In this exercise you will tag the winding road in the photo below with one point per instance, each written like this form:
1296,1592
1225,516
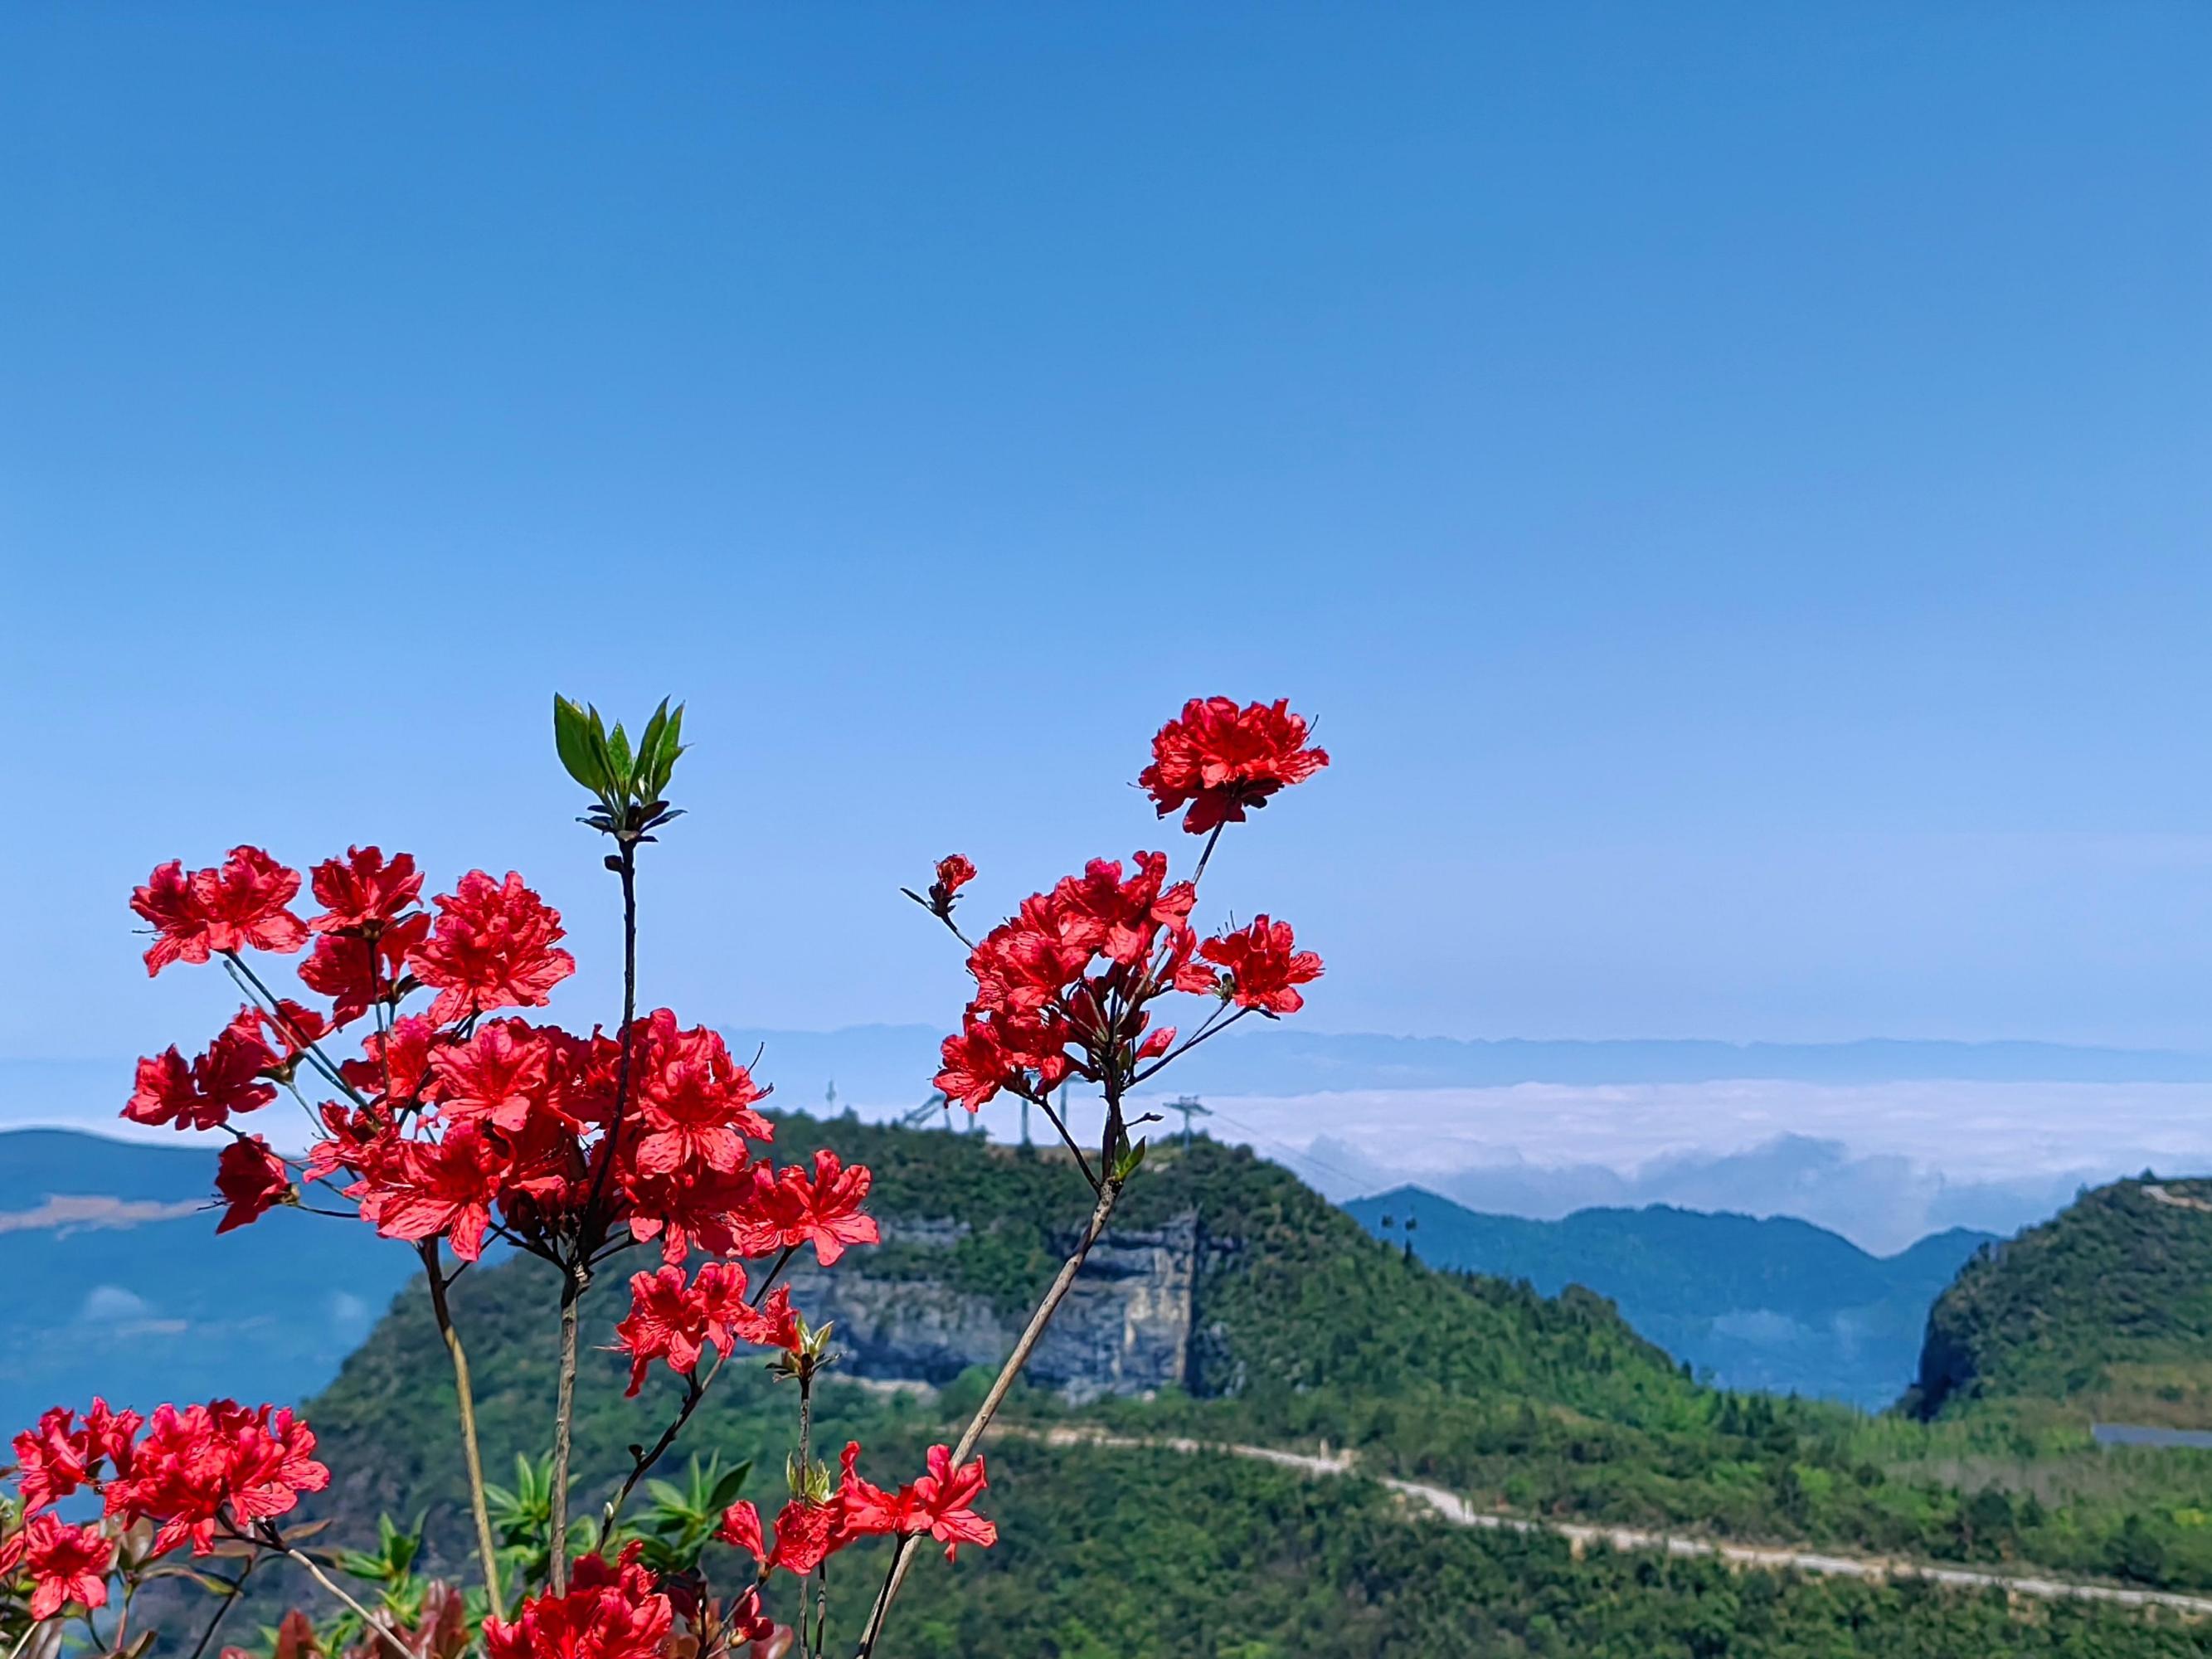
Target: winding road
1772,1558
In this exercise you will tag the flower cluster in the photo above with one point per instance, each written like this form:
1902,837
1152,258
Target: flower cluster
460,1118
810,1529
677,1321
190,1472
1063,985
612,1610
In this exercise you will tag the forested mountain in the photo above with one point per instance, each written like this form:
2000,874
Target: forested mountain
2104,1312
1749,1302
1296,1328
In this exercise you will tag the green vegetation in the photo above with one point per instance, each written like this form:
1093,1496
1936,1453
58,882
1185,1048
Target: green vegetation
2104,1312
1312,1331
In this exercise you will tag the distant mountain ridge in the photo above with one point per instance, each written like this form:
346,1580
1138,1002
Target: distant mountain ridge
1773,1304
882,1064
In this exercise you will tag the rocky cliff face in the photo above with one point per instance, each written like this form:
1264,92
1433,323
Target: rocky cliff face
1125,1327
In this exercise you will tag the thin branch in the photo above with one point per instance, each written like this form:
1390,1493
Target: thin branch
902,1555
591,1228
694,1390
573,1285
313,1051
951,927
366,1617
230,1599
1081,1162
1206,856
1209,1029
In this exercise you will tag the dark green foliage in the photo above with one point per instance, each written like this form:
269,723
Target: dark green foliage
2107,1306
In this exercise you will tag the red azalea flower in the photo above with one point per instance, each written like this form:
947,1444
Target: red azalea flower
696,1207
356,972
363,889
741,1528
291,1029
974,1065
864,1508
231,1075
747,1622
823,1210
417,1190
696,1102
1261,969
252,1181
610,1612
499,1076
244,900
395,1065
216,1461
805,1536
672,1320
65,1564
954,871
492,948
52,1460
774,1324
165,1094
1222,759
168,901
354,1133
941,1503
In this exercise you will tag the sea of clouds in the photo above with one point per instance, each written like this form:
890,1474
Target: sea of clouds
1882,1162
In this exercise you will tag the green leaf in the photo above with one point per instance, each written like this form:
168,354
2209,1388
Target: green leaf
598,734
728,1488
648,745
666,752
618,751
572,739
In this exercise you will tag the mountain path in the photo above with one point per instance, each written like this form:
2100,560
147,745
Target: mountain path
1772,1557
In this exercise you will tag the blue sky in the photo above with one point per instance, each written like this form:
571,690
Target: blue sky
1730,484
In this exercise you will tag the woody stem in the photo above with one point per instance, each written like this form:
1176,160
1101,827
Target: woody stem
1109,1193
574,1283
487,1550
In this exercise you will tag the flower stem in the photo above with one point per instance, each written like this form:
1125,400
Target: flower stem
591,1230
487,1550
573,1287
1109,1193
366,1617
229,1601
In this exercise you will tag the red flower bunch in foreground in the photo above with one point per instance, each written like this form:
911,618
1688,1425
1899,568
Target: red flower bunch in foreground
671,1320
612,1610
808,1531
449,1116
456,1122
192,1472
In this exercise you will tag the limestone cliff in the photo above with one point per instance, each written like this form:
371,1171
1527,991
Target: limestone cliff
1125,1327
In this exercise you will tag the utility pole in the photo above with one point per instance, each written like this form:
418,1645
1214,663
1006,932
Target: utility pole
1190,1107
